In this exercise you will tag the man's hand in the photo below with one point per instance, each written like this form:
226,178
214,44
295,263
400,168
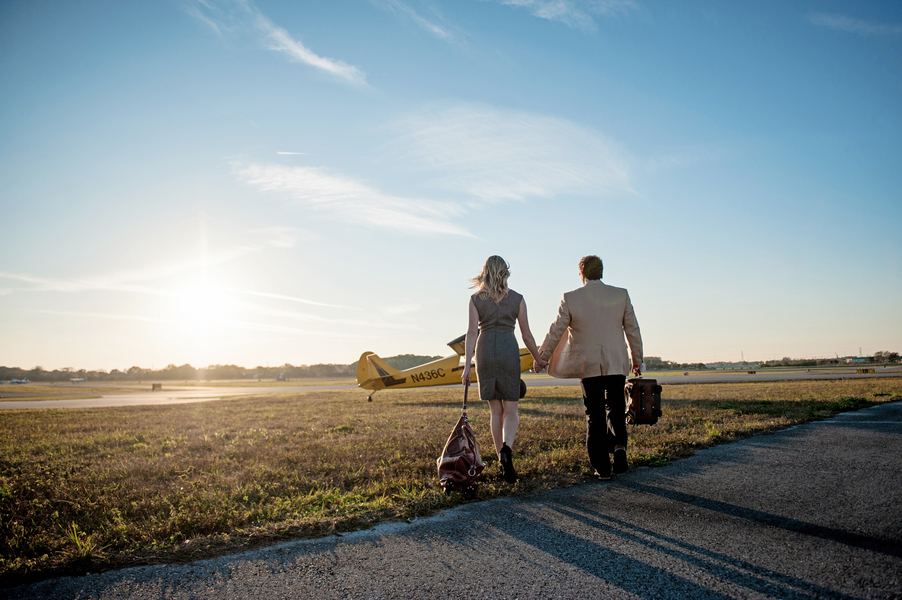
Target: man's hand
636,371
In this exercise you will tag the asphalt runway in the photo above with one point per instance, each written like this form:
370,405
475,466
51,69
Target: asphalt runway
173,395
176,395
807,512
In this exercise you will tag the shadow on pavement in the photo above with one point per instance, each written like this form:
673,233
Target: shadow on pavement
621,570
836,535
725,567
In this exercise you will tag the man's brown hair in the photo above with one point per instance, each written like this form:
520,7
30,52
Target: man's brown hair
591,267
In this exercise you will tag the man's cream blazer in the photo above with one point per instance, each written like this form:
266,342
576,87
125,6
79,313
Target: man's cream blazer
587,339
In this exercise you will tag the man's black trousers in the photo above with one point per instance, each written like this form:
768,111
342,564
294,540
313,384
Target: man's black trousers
605,417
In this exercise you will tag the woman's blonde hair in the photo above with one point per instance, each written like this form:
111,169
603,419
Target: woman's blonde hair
492,282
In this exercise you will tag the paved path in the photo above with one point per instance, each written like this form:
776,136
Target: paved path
809,512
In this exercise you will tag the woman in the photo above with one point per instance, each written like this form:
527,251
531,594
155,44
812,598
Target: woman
494,309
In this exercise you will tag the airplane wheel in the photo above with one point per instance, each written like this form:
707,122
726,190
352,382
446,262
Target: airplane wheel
522,389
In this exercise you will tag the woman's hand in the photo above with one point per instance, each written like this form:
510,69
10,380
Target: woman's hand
465,376
539,364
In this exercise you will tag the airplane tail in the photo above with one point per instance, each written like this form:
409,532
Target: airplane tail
370,366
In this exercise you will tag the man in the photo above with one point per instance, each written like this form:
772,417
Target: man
595,318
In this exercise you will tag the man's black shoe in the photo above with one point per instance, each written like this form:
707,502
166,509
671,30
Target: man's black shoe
620,465
604,471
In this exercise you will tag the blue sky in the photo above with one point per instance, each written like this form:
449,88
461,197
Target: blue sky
218,182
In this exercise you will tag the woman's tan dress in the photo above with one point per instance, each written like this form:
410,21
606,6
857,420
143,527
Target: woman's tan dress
497,353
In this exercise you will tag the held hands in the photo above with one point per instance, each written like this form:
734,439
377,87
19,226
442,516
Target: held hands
539,364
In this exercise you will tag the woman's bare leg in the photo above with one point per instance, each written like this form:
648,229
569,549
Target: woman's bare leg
496,423
511,421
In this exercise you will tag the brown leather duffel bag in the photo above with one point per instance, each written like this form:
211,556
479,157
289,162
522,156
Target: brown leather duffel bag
460,464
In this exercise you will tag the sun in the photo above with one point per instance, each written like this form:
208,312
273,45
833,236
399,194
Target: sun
203,306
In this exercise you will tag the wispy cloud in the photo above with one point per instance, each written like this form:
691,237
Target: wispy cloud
475,153
236,313
109,283
202,304
145,280
278,237
579,14
232,323
268,327
130,280
279,40
289,299
208,14
338,197
282,315
243,15
857,26
396,6
107,316
403,309
510,155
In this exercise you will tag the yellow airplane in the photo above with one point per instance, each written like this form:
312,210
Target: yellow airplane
375,374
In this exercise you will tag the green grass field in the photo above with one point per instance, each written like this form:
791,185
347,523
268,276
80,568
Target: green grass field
91,489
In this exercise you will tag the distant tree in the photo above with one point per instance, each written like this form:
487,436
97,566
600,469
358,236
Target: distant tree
654,363
223,372
884,357
408,361
185,372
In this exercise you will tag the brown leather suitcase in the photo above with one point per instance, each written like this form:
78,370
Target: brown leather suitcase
643,401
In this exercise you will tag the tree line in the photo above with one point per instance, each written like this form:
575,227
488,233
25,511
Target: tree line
655,363
878,358
187,372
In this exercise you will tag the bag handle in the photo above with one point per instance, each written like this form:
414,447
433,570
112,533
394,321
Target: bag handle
466,389
472,471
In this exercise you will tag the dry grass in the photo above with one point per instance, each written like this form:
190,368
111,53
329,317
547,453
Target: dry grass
100,488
